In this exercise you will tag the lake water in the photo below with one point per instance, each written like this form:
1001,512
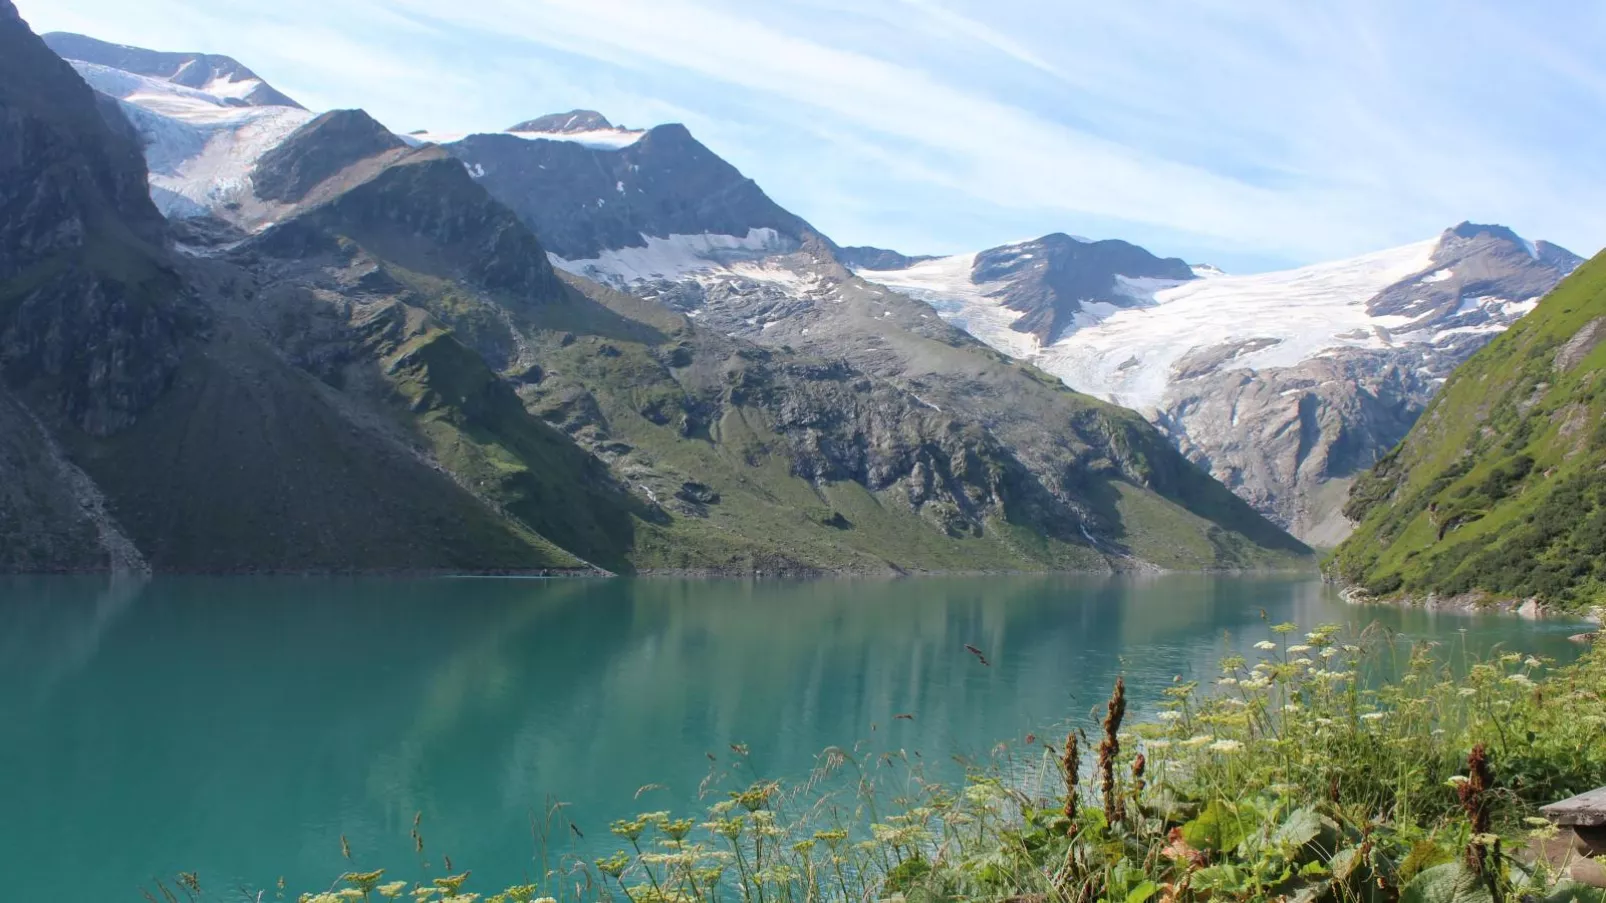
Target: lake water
239,727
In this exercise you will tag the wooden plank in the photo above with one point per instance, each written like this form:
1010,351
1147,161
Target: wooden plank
1583,810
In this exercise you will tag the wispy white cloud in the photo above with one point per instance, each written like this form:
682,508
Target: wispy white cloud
1252,131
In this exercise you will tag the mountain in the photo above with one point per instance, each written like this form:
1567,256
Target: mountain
218,76
867,258
664,218
1283,385
200,147
147,424
1499,491
661,428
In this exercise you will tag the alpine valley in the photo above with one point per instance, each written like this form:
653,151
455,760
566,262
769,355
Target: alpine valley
282,341
238,335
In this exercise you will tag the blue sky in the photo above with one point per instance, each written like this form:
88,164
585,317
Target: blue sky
1247,134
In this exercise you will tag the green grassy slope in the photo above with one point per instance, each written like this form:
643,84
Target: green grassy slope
247,465
1501,487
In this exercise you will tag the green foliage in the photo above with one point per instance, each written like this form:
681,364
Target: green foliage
1500,491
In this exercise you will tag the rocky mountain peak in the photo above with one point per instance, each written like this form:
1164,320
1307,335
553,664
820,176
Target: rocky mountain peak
565,123
222,76
1473,262
318,150
584,200
1051,279
862,257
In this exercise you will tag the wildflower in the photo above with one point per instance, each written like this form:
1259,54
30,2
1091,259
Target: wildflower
1531,662
1198,741
1070,768
1266,645
630,829
676,829
1157,745
1521,680
1228,682
755,797
614,865
1456,780
392,890
1303,662
451,884
1170,715
1298,649
831,838
1285,627
1226,746
1468,691
1110,747
1351,649
1373,716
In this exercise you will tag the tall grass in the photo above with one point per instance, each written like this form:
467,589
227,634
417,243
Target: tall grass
1331,767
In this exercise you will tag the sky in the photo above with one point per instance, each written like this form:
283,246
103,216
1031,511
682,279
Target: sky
1250,134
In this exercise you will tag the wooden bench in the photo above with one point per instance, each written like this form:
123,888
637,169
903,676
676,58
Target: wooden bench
1582,821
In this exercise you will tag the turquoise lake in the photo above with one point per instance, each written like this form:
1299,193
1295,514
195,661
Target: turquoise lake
240,727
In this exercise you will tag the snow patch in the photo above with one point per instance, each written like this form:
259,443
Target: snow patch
675,256
1437,276
945,284
1127,354
199,147
598,139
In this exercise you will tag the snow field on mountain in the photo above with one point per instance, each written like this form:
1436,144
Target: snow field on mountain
677,256
600,139
1126,355
200,148
945,284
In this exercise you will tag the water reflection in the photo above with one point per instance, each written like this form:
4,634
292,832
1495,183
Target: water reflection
240,727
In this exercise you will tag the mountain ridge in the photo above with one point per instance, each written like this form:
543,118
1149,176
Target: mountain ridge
422,320
211,73
1497,491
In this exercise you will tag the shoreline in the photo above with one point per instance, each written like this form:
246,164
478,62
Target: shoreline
1484,603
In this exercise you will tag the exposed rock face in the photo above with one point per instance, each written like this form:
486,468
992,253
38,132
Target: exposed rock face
565,123
1283,385
1051,280
90,318
584,200
1290,439
753,405
318,150
1056,454
867,258
1474,262
207,72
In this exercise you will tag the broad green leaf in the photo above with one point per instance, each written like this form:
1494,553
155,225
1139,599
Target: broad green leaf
1142,892
1451,882
1221,826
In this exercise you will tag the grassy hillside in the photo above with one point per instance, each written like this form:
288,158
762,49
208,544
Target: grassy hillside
1500,488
